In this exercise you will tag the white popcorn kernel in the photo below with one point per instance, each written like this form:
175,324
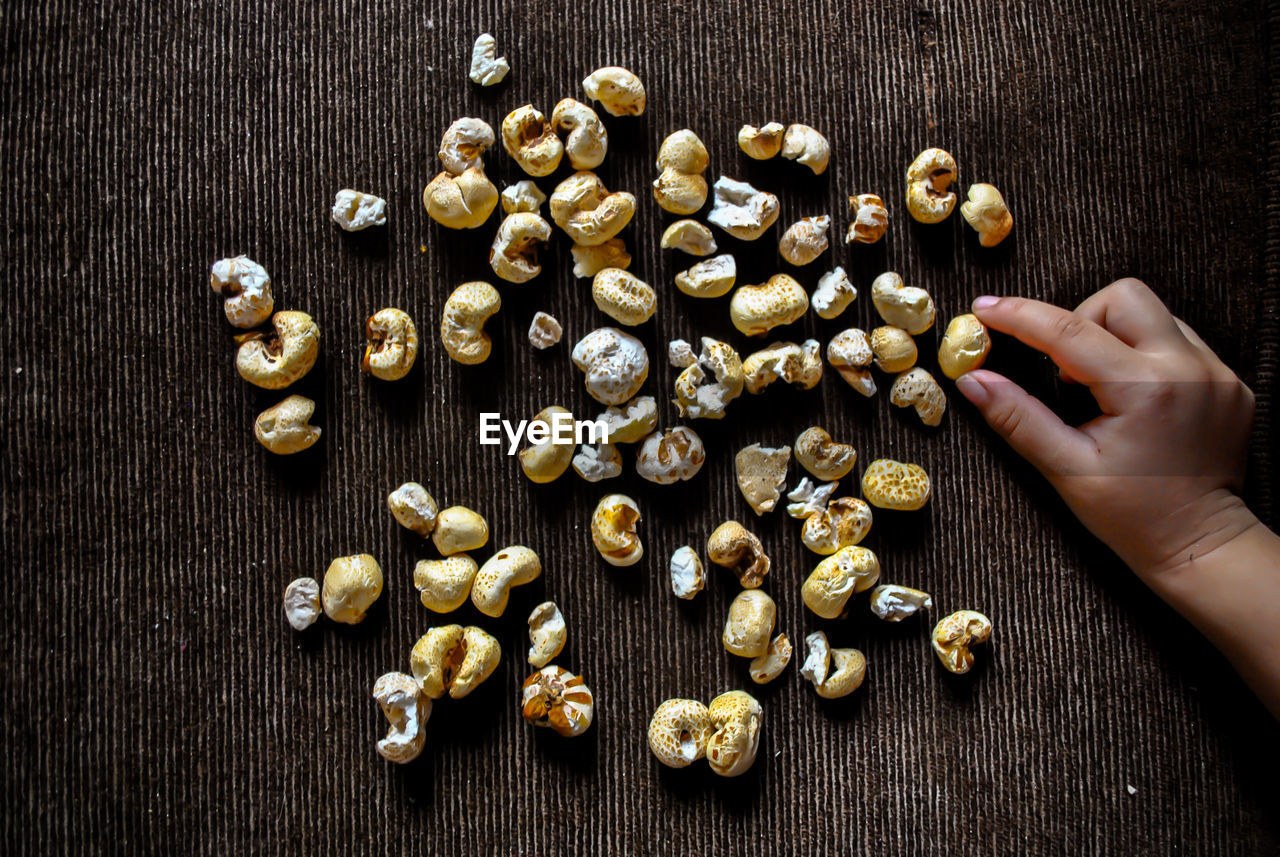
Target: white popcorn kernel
487,68
544,331
354,211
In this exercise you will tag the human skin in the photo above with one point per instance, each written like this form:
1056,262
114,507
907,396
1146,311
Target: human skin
1157,476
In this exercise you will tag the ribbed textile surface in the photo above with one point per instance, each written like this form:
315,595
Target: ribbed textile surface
155,701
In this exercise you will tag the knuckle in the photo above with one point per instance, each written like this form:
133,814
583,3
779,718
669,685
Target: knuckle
1163,395
1066,327
1005,418
1130,287
1248,401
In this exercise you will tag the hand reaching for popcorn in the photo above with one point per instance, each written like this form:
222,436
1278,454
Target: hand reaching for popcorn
1157,475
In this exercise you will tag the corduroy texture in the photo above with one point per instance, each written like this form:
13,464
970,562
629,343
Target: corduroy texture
155,701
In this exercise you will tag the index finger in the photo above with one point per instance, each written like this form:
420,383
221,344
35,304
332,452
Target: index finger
1080,347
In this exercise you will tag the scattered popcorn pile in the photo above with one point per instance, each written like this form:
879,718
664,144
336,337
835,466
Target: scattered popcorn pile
615,364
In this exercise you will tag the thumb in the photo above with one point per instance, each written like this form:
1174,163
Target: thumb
1035,432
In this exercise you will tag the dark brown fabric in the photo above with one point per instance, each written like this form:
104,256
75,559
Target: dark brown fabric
154,698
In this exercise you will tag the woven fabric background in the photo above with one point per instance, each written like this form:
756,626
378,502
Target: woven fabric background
155,701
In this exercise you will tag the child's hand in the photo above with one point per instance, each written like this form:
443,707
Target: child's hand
1156,476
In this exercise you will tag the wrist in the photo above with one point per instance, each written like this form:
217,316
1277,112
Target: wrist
1185,539
1231,593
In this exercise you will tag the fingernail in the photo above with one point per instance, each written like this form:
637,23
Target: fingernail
985,302
971,388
